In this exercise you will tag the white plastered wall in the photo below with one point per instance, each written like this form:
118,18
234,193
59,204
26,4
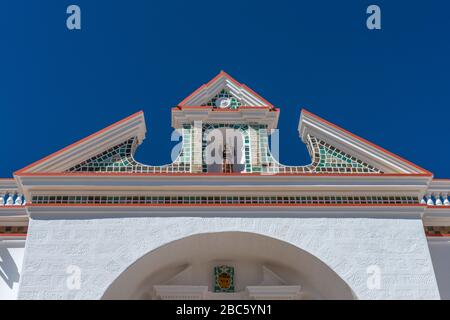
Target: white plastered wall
104,247
440,254
11,256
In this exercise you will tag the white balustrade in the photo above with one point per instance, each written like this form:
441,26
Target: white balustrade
11,199
436,199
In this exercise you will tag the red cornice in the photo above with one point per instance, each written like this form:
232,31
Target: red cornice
428,234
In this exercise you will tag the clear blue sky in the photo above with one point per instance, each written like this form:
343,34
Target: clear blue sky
391,87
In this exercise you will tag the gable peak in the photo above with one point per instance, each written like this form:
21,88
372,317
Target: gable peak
224,92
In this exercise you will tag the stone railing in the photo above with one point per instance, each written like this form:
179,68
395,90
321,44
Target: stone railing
9,194
438,193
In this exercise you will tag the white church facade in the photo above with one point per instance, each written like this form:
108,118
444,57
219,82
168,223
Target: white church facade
91,222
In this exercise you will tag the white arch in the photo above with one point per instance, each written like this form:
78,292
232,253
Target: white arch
248,251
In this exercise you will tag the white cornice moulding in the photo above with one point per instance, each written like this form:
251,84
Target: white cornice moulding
440,185
436,216
228,185
239,116
8,185
13,216
438,240
12,240
76,212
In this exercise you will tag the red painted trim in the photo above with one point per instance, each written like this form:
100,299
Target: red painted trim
218,109
437,179
119,174
13,234
217,205
437,235
439,207
19,172
366,141
226,75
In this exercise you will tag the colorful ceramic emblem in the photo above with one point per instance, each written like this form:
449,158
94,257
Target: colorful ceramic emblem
223,279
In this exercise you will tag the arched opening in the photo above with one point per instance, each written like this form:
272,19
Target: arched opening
223,150
228,265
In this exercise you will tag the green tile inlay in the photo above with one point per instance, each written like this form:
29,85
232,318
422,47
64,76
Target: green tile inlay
224,94
256,152
120,158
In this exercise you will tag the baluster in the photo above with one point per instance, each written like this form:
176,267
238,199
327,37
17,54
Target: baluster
18,201
437,197
10,200
445,196
423,200
430,200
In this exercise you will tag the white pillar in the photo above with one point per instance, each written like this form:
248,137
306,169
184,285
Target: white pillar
2,199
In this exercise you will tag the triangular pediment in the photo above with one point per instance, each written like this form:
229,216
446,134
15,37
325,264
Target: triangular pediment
108,146
224,92
342,146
